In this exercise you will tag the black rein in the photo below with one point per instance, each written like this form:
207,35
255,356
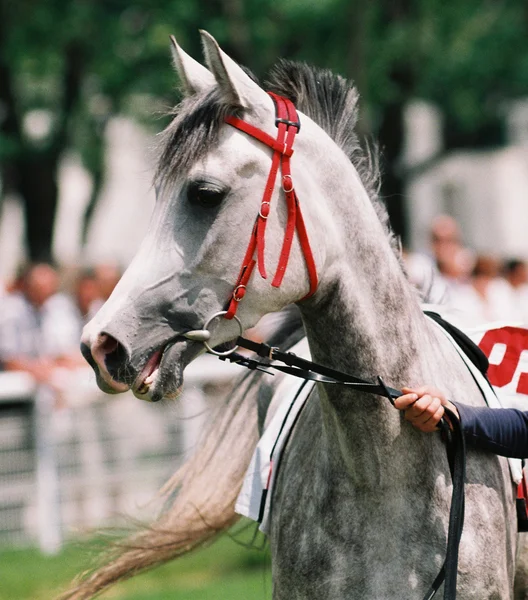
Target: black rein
450,428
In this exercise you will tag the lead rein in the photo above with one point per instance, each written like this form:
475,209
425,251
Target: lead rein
450,428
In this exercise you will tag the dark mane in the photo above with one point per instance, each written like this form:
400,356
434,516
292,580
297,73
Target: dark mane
328,99
332,102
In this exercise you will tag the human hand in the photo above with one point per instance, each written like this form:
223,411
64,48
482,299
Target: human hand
424,407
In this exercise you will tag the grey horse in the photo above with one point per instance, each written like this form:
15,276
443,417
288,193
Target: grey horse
361,502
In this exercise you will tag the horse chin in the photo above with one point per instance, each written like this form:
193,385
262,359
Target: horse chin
155,395
166,380
105,387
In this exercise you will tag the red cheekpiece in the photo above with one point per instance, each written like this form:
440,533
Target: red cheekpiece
288,125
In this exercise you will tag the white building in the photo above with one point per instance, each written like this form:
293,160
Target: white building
486,191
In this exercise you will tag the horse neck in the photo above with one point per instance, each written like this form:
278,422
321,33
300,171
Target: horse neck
366,321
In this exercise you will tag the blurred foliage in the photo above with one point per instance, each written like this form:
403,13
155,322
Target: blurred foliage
80,61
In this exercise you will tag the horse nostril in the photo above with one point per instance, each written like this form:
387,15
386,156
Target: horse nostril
107,344
108,353
110,360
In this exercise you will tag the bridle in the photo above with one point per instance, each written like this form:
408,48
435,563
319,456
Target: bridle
288,125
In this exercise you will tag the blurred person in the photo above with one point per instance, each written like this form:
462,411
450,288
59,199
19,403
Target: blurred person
456,265
107,276
38,326
445,263
486,297
424,275
15,284
445,239
88,296
453,259
515,272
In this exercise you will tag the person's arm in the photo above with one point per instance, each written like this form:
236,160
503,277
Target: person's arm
502,431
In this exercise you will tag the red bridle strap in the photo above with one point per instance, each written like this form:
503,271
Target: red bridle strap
288,125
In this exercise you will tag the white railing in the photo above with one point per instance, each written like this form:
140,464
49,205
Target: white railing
80,465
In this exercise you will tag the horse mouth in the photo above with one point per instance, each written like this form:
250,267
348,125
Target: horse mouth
162,375
148,375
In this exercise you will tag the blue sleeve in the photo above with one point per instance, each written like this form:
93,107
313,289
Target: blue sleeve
503,431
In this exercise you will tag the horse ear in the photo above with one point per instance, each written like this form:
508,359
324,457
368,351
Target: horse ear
232,79
193,76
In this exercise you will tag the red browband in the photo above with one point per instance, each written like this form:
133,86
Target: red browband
288,125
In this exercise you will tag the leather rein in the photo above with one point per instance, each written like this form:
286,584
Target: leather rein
288,125
450,429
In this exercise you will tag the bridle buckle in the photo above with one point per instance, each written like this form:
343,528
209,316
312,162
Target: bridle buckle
288,123
242,289
286,178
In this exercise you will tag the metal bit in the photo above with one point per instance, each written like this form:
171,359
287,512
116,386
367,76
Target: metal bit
198,335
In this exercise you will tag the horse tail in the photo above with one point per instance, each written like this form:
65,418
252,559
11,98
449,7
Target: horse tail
200,497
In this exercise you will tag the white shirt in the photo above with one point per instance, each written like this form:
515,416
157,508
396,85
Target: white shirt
25,331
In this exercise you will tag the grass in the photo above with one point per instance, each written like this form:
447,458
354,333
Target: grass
225,571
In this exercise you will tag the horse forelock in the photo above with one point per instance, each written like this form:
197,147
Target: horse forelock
192,133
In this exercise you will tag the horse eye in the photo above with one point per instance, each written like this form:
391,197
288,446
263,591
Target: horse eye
205,193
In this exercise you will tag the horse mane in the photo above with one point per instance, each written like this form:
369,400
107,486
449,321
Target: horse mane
331,101
191,134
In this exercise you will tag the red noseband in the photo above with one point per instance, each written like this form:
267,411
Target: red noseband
288,125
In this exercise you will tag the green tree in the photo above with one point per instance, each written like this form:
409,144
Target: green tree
73,64
38,72
80,62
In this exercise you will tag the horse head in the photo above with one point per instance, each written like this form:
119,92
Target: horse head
210,183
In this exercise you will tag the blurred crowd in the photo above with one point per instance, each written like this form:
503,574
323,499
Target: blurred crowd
476,288
41,320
